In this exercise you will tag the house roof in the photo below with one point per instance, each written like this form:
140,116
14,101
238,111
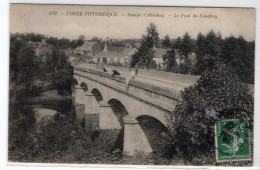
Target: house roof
115,49
128,51
89,44
41,48
128,44
137,45
109,54
79,48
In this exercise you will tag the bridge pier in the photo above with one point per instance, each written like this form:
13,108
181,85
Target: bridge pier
91,112
78,94
134,137
107,117
86,109
79,103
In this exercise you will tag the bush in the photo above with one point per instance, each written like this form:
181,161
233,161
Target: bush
59,141
222,94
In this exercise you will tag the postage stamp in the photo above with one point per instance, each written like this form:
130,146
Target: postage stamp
232,140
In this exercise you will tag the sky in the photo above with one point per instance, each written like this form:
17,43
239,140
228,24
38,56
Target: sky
130,22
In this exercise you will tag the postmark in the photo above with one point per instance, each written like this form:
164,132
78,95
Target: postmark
232,140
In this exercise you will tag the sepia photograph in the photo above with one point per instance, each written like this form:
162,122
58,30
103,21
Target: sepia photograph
131,85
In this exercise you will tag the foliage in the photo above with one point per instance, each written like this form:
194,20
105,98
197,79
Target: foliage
208,51
218,95
200,53
143,58
170,60
62,43
239,54
234,52
183,47
20,142
31,73
60,142
60,72
166,43
24,66
28,37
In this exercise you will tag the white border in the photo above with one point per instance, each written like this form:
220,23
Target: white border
4,63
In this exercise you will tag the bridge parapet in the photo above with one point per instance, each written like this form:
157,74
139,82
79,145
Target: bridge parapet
150,75
148,85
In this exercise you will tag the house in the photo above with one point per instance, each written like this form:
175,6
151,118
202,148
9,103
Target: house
160,52
112,55
128,52
191,58
109,57
116,55
88,49
137,45
42,49
158,56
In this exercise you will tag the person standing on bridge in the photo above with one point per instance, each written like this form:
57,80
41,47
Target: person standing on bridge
132,74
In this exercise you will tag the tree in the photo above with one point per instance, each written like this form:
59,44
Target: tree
61,72
213,44
208,51
152,37
170,61
184,47
238,54
15,46
81,40
143,58
166,42
218,95
200,52
24,66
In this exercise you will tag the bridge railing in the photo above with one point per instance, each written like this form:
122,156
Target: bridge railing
153,76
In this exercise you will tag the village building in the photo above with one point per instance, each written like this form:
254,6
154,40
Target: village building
137,45
42,49
191,58
158,56
128,52
160,52
88,49
115,55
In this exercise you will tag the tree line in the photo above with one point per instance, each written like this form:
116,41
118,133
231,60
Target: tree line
31,73
210,49
62,43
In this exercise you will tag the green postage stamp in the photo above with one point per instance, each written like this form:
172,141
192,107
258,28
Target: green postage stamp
232,140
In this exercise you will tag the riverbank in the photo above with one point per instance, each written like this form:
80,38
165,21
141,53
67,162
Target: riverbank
47,96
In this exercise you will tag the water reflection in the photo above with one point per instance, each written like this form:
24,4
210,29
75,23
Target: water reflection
41,114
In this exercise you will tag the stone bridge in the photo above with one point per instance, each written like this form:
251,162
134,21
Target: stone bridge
136,105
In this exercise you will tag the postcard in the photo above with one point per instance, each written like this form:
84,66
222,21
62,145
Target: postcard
131,85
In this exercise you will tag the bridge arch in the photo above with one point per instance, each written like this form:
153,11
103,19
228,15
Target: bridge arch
119,111
84,86
154,131
97,94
